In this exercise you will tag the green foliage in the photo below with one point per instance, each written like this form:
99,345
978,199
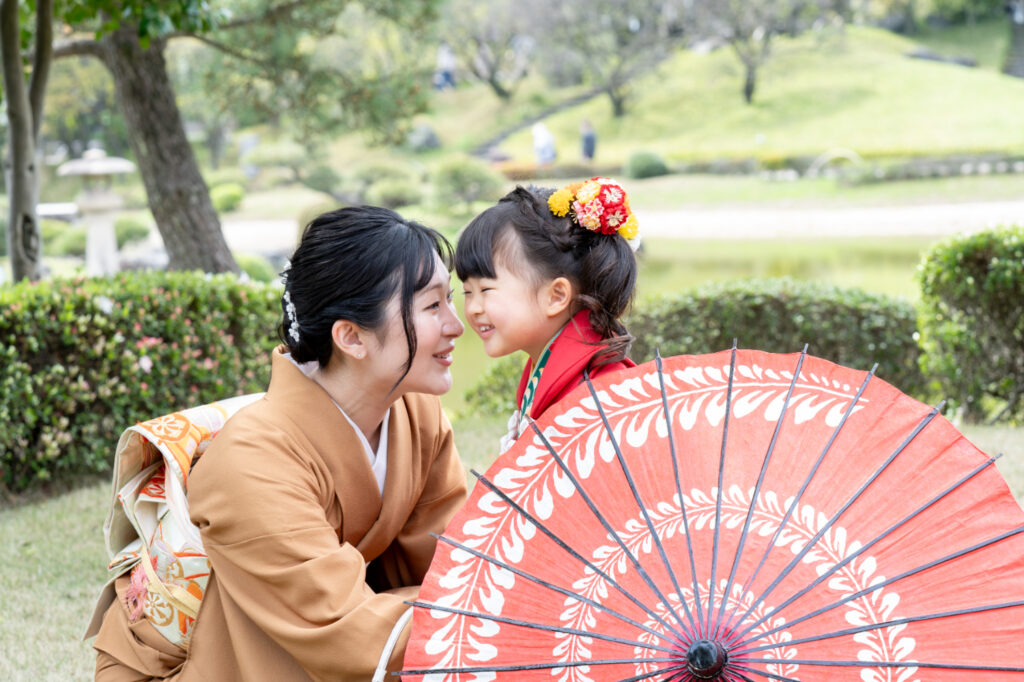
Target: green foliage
972,320
82,359
285,153
227,197
323,179
371,173
464,179
130,231
394,193
645,165
256,266
50,231
847,326
70,242
221,176
494,395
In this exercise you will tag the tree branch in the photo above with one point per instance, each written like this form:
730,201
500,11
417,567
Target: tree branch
234,52
80,47
271,13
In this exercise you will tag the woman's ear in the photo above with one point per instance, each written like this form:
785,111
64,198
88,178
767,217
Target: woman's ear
557,296
348,338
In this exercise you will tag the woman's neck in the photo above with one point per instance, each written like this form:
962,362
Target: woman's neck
365,406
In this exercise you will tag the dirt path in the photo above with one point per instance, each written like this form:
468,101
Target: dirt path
868,221
276,237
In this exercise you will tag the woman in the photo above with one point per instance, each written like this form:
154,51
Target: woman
316,504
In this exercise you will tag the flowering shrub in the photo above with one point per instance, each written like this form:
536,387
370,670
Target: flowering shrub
972,321
847,326
82,359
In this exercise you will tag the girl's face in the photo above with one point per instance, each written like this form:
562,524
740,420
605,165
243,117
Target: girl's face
508,314
437,326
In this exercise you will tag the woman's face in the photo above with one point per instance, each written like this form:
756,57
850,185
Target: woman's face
437,326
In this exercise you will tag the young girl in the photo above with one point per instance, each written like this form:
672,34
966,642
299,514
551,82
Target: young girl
550,273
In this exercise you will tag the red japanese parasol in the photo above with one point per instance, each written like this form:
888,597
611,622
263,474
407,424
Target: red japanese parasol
799,521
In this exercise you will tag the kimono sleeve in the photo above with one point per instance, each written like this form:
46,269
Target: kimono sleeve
276,558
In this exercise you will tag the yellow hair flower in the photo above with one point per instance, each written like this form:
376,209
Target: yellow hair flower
629,228
560,202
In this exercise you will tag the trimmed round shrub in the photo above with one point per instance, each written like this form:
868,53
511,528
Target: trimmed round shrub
372,173
256,266
846,326
323,179
49,231
461,179
223,176
972,321
495,392
645,165
394,193
71,242
82,359
227,197
130,231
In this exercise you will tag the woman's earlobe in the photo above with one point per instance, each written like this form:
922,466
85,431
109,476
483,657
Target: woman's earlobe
348,338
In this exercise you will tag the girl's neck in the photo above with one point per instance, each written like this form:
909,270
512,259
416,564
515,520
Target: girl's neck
536,353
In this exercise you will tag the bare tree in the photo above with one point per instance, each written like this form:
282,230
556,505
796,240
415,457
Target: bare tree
610,41
24,117
491,40
749,27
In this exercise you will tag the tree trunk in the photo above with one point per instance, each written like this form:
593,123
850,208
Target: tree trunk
1014,65
749,83
24,115
177,194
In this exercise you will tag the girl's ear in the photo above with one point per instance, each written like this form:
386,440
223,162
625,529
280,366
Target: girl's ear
348,337
557,296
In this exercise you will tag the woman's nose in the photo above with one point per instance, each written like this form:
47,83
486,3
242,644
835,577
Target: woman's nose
453,325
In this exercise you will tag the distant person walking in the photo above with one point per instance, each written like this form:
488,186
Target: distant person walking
444,76
588,140
543,144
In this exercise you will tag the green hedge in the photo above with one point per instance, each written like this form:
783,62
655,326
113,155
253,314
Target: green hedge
83,359
847,326
972,321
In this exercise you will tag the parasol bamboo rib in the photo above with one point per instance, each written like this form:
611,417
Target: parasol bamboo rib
883,583
679,485
576,555
832,521
636,497
771,676
893,664
889,623
853,555
799,495
534,666
718,493
537,626
603,521
554,588
757,491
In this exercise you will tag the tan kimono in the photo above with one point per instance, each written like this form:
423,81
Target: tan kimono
310,568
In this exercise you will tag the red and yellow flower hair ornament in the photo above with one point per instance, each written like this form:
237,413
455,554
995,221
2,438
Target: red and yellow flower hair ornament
599,205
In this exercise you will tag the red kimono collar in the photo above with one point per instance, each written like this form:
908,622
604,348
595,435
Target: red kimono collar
571,350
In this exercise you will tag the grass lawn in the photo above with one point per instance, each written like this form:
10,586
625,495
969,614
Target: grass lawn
852,90
53,558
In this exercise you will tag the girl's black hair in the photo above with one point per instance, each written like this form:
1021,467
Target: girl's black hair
522,234
348,265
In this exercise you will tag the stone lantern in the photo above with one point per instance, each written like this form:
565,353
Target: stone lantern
99,205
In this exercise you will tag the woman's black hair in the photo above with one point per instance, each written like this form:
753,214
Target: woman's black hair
348,265
522,234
